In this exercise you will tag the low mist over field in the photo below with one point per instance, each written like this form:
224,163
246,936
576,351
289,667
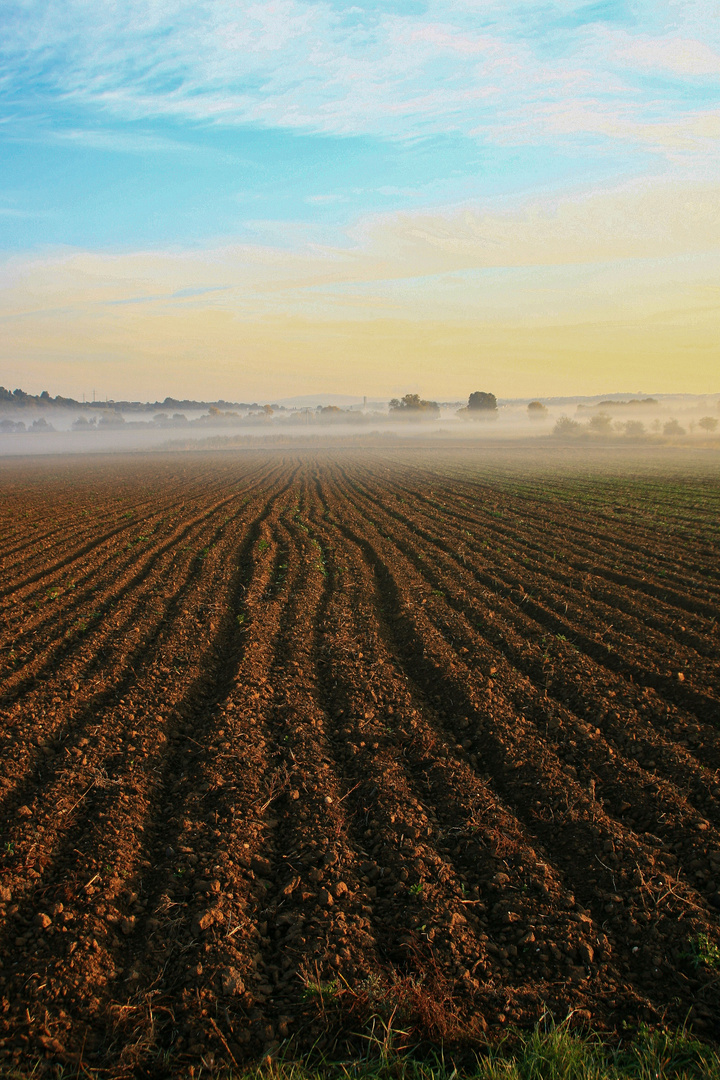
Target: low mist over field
42,424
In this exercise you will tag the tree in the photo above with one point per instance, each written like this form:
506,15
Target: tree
413,407
480,401
111,419
600,424
673,428
537,411
83,424
707,423
41,425
566,427
480,406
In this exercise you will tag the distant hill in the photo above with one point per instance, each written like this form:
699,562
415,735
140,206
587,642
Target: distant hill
19,399
310,401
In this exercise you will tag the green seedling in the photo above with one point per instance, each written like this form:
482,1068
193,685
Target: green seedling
320,991
704,951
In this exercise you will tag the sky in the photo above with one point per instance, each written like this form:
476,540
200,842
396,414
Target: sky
212,198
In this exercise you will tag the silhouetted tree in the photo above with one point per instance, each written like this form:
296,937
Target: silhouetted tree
480,406
413,407
41,426
482,402
537,411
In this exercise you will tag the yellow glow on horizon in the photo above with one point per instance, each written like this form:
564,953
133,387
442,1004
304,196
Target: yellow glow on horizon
210,354
613,290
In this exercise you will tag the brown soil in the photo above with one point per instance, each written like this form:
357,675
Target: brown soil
294,745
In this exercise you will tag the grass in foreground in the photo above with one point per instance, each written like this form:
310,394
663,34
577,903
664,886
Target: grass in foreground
550,1052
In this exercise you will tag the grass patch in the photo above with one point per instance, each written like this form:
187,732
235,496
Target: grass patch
549,1052
704,951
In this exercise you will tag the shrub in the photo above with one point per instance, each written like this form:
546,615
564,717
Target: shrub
565,427
600,424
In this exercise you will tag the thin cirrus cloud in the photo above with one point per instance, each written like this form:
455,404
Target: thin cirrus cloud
626,226
119,141
517,168
390,71
678,56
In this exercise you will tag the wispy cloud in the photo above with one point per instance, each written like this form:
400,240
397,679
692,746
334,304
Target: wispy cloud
127,142
673,55
475,67
14,212
618,226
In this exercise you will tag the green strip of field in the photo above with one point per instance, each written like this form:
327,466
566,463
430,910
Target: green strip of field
547,1053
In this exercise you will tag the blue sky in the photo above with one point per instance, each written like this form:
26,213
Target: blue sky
144,139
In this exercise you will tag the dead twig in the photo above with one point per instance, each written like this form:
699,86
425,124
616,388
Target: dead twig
79,800
223,1041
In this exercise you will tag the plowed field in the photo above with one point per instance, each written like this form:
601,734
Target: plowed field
295,745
